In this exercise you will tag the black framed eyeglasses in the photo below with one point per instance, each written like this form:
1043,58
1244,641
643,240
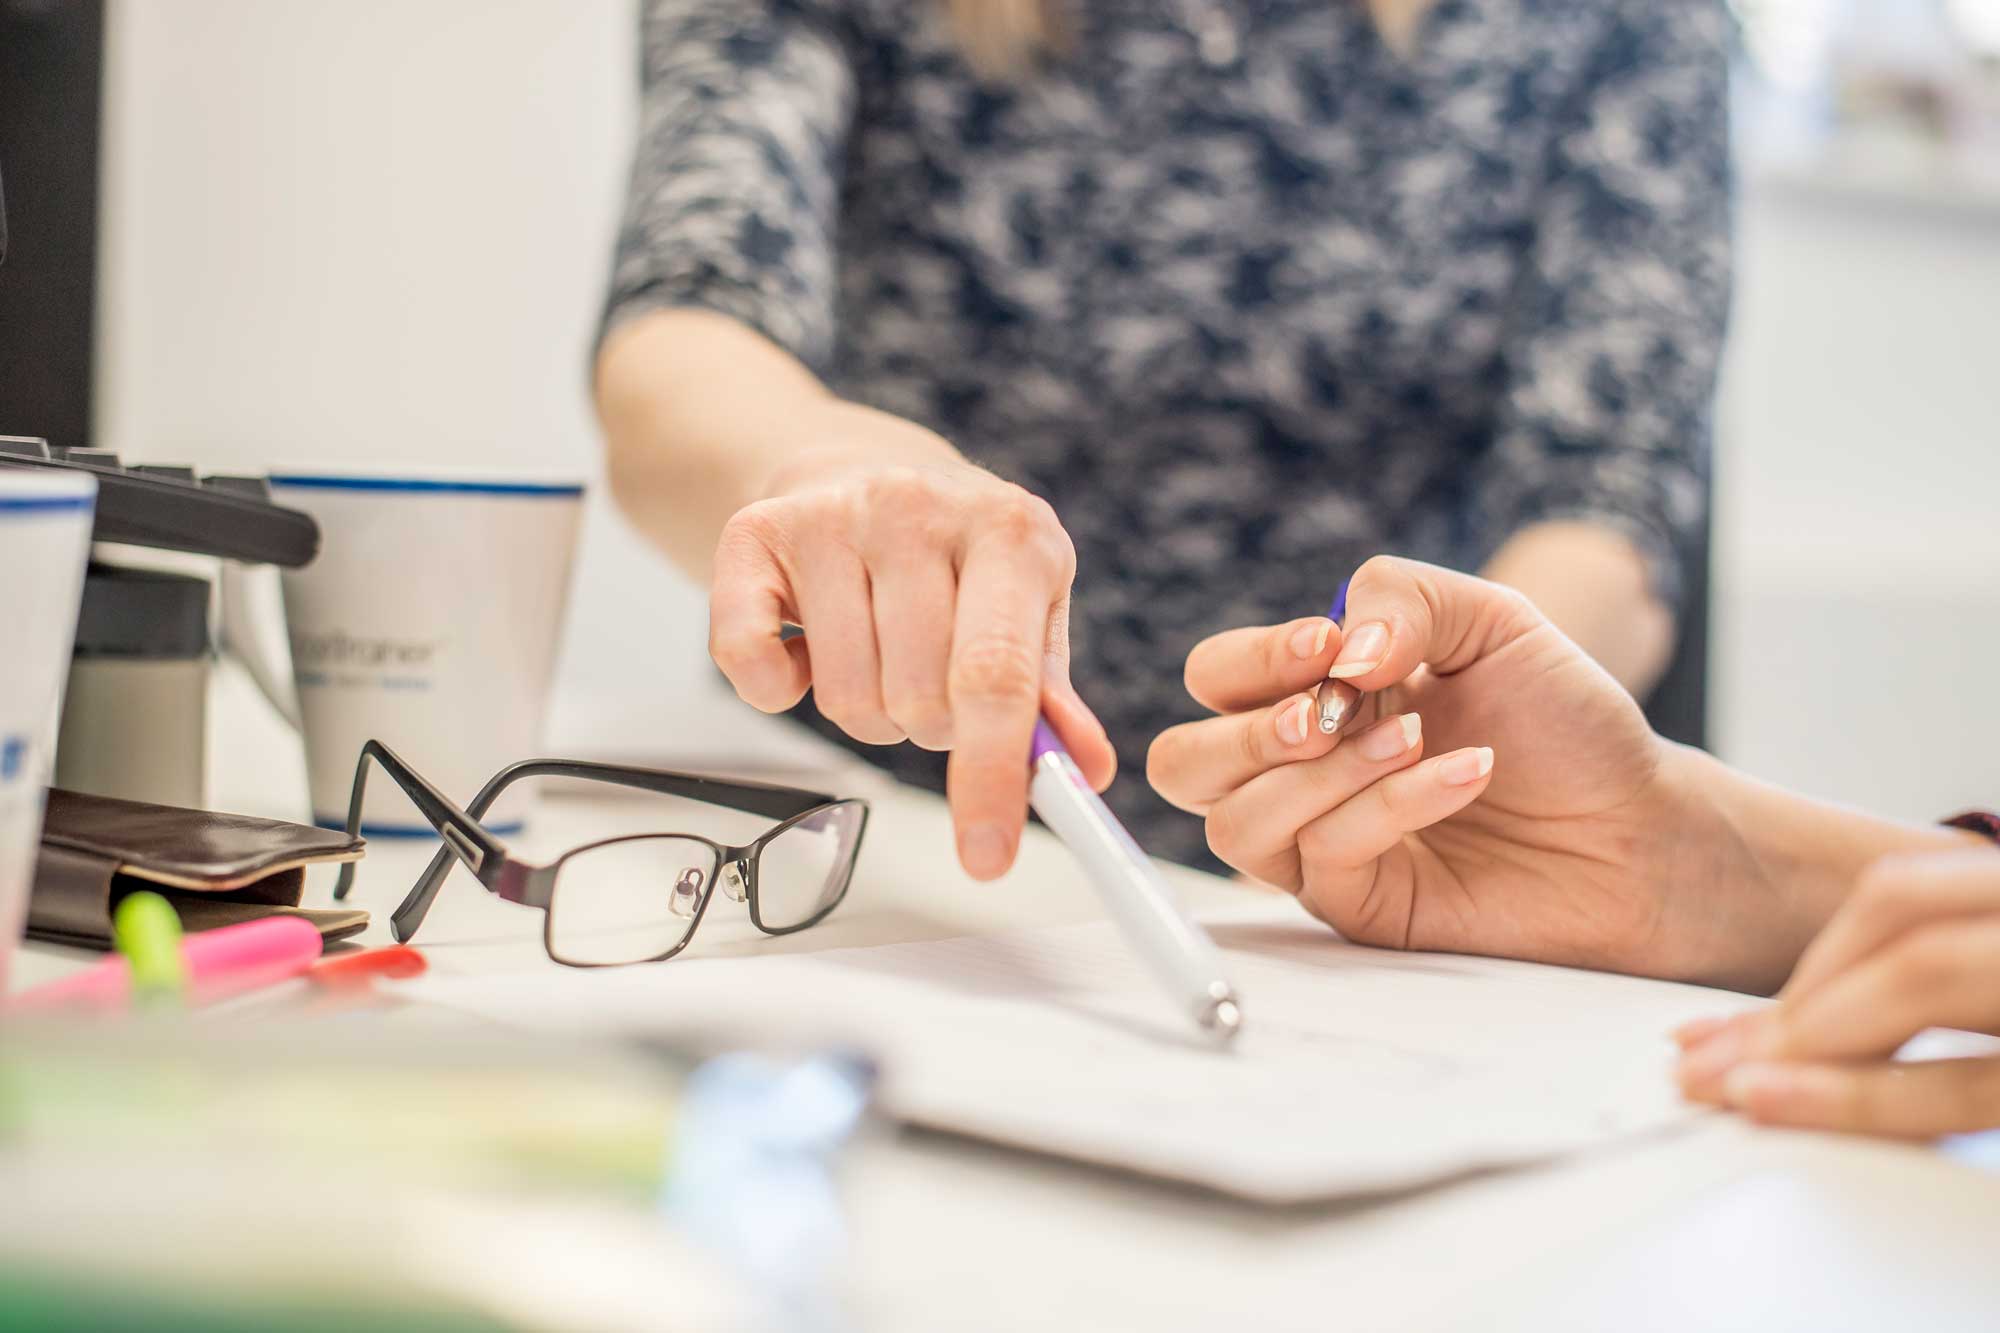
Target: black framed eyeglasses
636,898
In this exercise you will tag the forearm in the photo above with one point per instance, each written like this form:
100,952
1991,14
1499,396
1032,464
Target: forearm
1592,583
702,416
1789,860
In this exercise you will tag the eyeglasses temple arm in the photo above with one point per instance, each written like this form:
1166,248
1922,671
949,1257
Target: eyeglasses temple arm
483,854
753,798
404,921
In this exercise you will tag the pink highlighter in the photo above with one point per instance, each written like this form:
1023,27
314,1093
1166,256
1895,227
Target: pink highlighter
226,961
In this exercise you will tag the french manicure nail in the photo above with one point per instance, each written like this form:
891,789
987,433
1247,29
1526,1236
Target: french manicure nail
1390,737
1696,1031
1709,1060
1362,652
984,850
1466,767
1309,639
1292,722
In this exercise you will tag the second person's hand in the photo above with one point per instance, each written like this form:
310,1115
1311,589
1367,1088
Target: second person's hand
1917,946
934,599
1499,793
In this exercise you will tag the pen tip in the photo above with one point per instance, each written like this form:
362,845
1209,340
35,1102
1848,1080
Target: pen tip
1223,1020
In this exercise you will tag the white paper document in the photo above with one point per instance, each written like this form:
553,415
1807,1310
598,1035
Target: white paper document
1358,1070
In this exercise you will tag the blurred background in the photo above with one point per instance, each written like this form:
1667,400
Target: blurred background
378,232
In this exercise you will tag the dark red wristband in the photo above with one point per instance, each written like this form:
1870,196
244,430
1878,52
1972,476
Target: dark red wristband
1983,822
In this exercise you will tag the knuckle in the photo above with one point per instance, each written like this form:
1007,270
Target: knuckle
1024,520
1276,649
1329,781
844,708
734,651
1161,766
907,505
1396,802
1013,516
1223,827
1512,604
994,668
1051,534
835,708
1250,741
923,528
1316,842
863,724
1927,961
922,714
1885,886
762,524
895,487
1379,570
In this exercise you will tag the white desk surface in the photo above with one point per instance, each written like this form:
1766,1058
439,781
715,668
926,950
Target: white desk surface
1715,1226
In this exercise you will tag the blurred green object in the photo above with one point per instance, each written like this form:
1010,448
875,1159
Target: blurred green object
222,1170
469,1107
148,932
49,1304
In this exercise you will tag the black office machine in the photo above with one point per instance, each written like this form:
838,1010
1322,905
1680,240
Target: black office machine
134,719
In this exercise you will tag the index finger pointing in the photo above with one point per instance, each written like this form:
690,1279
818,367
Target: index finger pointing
994,685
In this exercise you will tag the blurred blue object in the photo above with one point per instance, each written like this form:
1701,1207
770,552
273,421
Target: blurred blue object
753,1176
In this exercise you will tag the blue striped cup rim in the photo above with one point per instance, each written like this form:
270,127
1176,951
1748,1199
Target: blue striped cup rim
25,492
434,485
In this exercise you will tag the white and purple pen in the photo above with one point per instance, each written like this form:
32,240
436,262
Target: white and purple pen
1179,954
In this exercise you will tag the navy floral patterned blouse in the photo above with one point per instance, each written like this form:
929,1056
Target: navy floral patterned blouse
1244,293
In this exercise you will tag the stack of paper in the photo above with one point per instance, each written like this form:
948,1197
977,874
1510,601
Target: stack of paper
1358,1071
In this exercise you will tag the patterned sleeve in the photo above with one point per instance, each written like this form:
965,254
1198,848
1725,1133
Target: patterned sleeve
735,179
1611,362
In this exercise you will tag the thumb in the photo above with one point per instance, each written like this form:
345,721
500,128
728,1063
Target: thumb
747,608
1402,614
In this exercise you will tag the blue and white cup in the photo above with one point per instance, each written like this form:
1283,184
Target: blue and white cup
429,621
45,519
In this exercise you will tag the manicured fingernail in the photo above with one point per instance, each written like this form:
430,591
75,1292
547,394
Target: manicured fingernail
1466,767
1758,1083
1362,652
1293,721
1309,639
1691,1034
984,850
1390,737
1709,1060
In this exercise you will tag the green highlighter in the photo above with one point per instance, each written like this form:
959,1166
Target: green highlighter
148,933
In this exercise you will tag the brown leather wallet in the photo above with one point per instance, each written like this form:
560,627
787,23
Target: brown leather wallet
215,869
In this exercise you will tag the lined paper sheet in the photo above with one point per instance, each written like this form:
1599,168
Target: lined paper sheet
1358,1071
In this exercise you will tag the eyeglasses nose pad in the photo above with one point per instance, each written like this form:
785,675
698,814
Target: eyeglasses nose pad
733,882
687,893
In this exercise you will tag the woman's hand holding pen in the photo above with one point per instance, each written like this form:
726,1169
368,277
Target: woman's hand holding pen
934,597
1495,791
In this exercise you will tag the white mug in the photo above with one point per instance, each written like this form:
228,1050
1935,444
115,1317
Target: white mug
45,519
428,621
